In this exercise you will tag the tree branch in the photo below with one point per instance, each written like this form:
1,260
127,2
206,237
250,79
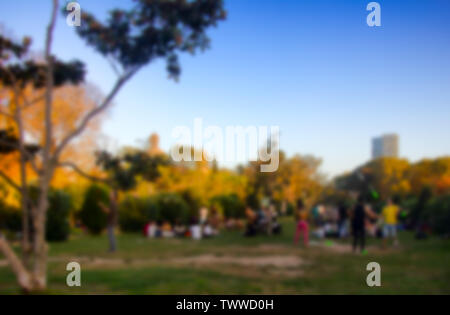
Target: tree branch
74,167
8,115
49,87
10,181
17,266
106,102
29,157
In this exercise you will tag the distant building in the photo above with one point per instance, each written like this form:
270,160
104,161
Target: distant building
153,148
385,146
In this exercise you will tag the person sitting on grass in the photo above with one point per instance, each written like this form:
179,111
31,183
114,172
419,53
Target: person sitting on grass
252,218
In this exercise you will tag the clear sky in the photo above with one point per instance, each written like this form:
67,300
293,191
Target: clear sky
312,67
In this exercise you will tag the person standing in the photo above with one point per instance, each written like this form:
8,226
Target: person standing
390,220
302,227
342,220
359,215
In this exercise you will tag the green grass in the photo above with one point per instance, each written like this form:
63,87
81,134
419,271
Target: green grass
144,266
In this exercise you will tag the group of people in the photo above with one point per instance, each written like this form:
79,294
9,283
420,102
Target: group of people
206,226
340,221
263,221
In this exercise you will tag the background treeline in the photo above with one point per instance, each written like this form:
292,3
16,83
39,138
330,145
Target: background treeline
178,190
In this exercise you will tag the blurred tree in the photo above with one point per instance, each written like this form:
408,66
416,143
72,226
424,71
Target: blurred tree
57,226
297,177
92,215
130,39
379,179
434,174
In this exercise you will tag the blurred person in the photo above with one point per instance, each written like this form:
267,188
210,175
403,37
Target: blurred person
203,218
316,216
360,214
251,216
214,219
179,229
158,229
390,219
150,229
268,219
302,227
318,221
261,219
275,226
342,220
195,229
208,231
166,230
203,215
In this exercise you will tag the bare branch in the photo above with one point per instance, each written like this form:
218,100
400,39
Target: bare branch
6,114
10,181
28,103
106,102
49,87
113,66
74,167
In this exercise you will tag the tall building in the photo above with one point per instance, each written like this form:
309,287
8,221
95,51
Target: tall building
153,148
385,146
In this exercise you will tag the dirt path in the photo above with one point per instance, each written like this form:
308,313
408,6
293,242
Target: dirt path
257,261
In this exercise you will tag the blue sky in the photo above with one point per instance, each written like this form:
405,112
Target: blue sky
312,67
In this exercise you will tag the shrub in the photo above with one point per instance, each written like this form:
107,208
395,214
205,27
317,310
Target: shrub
418,207
58,227
172,208
10,218
91,214
290,209
134,213
231,206
192,202
437,214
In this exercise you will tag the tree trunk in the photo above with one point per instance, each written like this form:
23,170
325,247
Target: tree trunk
24,192
112,220
24,278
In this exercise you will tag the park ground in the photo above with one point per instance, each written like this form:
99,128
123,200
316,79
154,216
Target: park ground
232,264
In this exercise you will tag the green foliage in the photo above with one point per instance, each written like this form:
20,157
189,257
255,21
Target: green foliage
172,208
91,214
290,209
134,213
418,208
151,30
10,218
123,170
252,201
58,227
231,205
438,215
145,165
15,68
193,203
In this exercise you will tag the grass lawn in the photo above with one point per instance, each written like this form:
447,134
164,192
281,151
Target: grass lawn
232,264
